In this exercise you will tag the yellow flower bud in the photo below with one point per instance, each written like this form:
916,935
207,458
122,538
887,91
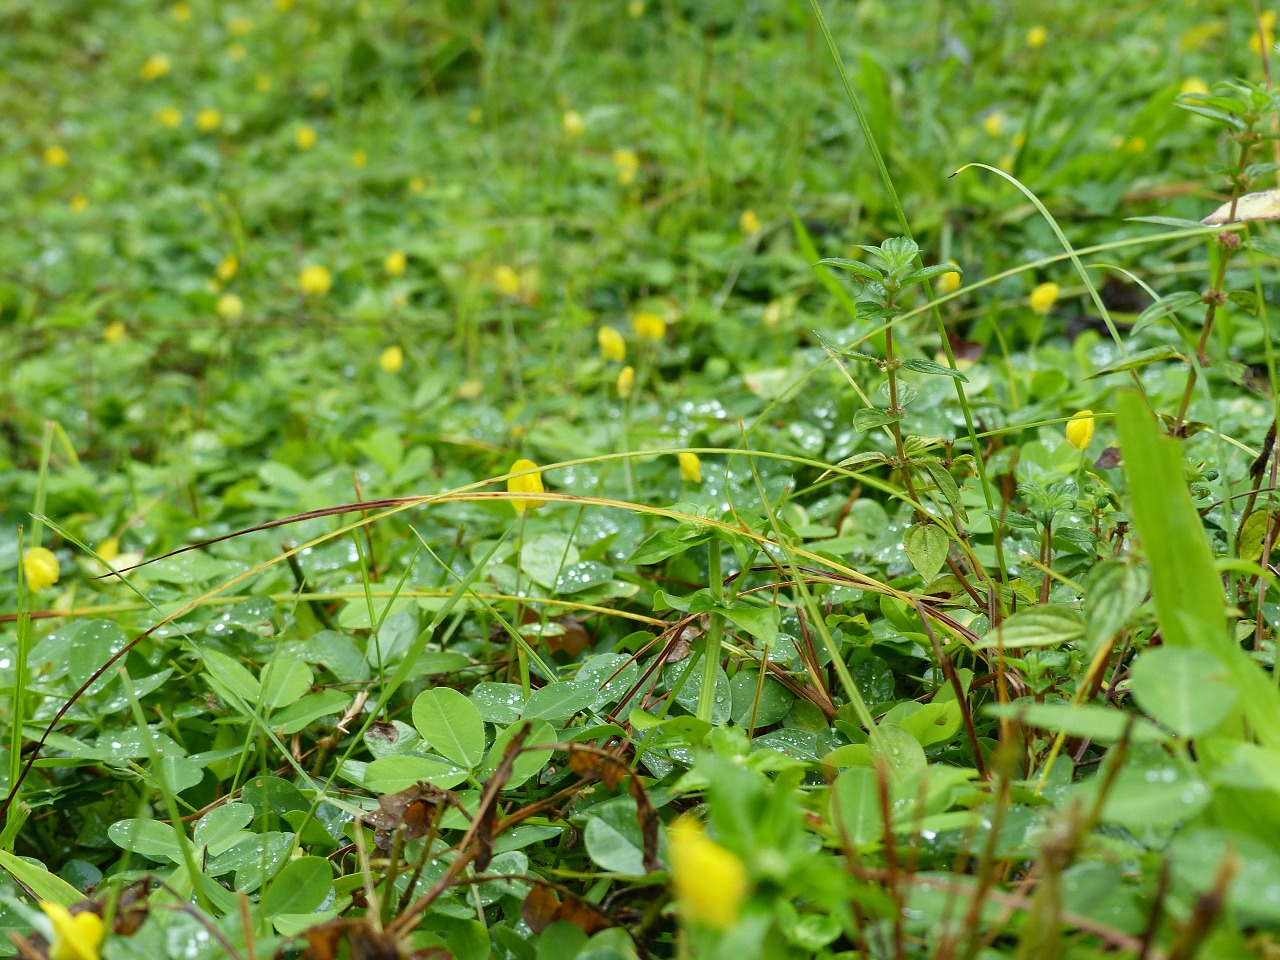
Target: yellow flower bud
41,569
1080,429
626,381
573,123
475,115
417,185
395,263
612,346
506,280
79,203
749,223
262,83
239,26
230,307
315,280
76,936
710,881
1044,296
169,117
56,156
1036,37
208,120
228,268
180,12
949,282
392,359
994,124
628,165
649,326
529,483
305,137
236,52
154,67
359,159
113,332
690,467
1194,85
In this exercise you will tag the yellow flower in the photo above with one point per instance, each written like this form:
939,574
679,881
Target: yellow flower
359,159
262,83
113,332
573,123
154,67
1005,163
1044,296
1135,144
392,359
1018,139
649,326
690,467
529,483
1194,85
749,223
239,26
626,381
994,124
612,346
475,115
230,307
417,185
40,567
180,12
79,203
315,280
506,280
628,165
305,138
395,263
236,52
56,156
710,881
1080,429
75,936
949,282
229,267
169,117
208,120
1036,37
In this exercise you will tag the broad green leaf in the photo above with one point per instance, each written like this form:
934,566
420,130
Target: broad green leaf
300,887
1114,591
1188,691
855,807
451,724
234,675
1188,594
392,774
933,368
613,838
926,545
559,701
151,838
530,761
1104,724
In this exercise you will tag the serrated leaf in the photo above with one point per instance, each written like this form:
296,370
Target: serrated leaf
929,273
947,486
1164,307
865,459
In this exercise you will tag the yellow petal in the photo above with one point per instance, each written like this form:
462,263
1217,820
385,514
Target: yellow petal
40,568
710,881
529,483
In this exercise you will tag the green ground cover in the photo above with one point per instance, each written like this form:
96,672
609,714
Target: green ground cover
637,478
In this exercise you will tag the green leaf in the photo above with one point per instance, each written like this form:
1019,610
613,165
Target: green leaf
451,724
233,675
613,838
852,266
930,273
151,838
1188,691
946,485
1114,592
760,622
1164,307
1104,724
545,557
300,887
559,700
40,881
530,761
393,774
869,418
867,458
1137,360
933,368
1047,625
1190,604
855,807
284,682
926,545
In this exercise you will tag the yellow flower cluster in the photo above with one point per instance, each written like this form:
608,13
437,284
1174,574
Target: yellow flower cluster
710,881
